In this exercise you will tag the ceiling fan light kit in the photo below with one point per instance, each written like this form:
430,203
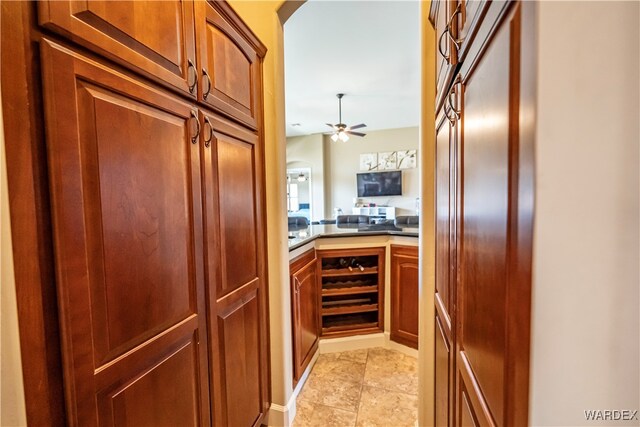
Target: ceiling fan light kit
342,131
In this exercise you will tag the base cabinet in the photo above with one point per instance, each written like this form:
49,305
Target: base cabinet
304,311
404,295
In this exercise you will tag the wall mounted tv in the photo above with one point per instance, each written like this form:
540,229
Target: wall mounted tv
375,184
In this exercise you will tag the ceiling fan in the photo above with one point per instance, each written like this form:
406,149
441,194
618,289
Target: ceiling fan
340,130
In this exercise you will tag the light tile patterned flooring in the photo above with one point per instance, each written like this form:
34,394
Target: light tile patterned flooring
363,388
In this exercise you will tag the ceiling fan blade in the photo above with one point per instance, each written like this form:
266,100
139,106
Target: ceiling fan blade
330,125
361,125
356,133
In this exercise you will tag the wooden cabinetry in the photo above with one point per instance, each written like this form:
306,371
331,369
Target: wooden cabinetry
228,62
352,291
445,286
154,38
125,190
157,213
304,310
404,295
158,39
484,209
234,240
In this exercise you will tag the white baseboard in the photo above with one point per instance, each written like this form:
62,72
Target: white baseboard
356,342
282,416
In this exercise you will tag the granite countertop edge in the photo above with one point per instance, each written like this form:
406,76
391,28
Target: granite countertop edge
355,233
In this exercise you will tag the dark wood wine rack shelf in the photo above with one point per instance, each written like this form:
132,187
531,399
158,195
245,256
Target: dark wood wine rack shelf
342,272
353,290
351,301
349,309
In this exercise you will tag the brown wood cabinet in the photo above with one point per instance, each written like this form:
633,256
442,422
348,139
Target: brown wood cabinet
154,38
157,213
484,210
404,294
229,65
351,283
125,191
304,311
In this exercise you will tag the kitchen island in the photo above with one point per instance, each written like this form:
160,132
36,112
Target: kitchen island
352,286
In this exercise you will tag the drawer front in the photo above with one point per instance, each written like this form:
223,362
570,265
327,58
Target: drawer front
156,39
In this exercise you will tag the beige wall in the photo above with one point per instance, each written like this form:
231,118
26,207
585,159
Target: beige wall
262,17
343,163
308,151
585,321
12,406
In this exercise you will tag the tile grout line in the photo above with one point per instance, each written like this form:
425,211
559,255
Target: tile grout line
364,374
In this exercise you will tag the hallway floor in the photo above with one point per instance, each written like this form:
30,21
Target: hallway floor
371,387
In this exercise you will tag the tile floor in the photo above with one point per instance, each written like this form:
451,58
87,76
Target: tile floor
371,387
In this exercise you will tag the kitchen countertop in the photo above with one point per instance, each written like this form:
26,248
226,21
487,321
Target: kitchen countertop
299,236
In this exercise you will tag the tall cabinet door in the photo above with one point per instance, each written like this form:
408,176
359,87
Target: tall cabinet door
155,38
127,225
493,327
445,286
236,271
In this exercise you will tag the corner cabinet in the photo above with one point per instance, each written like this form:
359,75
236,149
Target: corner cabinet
304,311
484,211
351,283
404,295
158,208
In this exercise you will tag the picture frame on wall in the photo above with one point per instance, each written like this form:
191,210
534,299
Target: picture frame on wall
387,160
407,159
369,162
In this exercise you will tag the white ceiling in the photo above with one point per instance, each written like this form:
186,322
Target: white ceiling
368,50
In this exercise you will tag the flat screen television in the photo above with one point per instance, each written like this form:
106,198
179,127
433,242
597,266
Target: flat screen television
375,184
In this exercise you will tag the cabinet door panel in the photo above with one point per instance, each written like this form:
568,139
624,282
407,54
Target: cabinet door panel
240,361
404,294
156,38
442,374
236,193
125,190
305,298
484,222
229,66
444,199
236,276
163,395
489,339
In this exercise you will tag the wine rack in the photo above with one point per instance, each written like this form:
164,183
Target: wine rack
351,285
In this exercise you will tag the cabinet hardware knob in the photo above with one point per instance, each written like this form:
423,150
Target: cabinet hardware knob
207,141
192,76
194,138
207,79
